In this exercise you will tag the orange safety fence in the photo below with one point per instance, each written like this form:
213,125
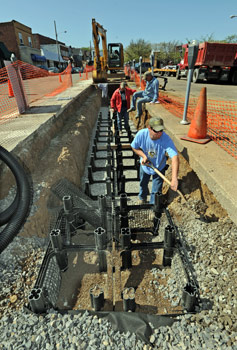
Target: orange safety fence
134,76
221,119
65,81
87,72
221,115
84,75
32,83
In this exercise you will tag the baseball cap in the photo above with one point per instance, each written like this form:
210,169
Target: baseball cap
156,123
123,85
146,74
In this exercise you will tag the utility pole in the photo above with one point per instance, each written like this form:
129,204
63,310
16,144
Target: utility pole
56,34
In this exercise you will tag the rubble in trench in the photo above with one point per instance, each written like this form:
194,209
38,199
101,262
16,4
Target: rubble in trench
210,234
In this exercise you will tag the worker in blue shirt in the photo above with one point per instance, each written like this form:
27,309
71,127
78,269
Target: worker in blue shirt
150,94
151,145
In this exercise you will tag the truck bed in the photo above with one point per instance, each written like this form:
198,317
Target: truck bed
216,54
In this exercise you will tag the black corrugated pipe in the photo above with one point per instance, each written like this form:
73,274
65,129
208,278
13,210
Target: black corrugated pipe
6,215
23,197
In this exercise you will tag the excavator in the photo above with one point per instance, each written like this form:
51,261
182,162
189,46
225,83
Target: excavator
110,60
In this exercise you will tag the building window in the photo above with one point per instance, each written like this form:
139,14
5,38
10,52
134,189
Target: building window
29,40
21,39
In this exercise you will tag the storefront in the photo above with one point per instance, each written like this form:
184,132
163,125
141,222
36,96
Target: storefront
53,59
38,59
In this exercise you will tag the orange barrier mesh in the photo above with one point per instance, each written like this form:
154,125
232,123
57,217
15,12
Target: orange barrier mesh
65,81
8,106
137,79
35,82
221,119
134,76
143,84
87,72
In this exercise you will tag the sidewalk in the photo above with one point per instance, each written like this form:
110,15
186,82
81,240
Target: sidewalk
15,130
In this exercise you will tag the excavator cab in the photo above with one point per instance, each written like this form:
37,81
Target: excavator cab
115,57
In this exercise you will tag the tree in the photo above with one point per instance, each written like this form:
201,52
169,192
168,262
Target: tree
167,52
231,39
85,49
136,49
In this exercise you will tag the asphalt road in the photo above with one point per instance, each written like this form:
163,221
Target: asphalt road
214,91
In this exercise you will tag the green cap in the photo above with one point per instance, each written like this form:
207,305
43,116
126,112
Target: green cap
123,85
156,123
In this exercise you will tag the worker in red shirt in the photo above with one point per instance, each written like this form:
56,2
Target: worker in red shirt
120,103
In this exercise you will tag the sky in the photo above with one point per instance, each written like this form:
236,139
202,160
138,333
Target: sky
154,21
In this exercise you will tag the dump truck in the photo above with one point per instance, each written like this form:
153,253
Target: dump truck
215,62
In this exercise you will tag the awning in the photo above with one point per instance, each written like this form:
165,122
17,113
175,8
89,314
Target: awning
4,53
38,58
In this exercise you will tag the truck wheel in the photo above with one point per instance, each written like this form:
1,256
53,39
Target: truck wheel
178,74
195,75
234,78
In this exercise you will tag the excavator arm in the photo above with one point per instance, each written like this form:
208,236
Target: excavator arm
100,62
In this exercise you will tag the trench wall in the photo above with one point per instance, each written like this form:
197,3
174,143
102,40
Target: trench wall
57,149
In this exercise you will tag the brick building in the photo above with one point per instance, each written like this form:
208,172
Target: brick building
18,39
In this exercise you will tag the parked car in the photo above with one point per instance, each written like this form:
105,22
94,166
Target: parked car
145,67
76,70
43,67
53,70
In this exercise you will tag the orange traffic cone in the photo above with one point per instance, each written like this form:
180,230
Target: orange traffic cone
60,78
198,128
10,90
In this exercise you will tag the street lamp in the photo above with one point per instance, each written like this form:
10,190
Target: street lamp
56,34
233,16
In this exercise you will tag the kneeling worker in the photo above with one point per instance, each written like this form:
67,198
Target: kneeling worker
151,145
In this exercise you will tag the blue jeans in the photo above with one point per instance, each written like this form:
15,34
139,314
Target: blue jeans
141,100
157,183
122,115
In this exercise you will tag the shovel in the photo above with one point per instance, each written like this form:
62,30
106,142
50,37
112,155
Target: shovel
150,165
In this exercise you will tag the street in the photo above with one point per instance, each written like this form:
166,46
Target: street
214,91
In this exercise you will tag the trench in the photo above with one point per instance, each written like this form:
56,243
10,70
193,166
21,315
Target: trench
77,163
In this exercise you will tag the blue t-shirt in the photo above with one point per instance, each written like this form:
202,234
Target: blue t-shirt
154,149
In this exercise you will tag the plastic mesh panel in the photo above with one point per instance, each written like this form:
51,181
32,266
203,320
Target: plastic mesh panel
141,218
52,281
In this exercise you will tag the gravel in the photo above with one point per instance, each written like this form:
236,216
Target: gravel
213,259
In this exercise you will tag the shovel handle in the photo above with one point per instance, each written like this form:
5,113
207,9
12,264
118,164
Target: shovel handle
150,165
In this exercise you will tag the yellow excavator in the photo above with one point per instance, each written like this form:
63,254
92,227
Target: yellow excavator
110,60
